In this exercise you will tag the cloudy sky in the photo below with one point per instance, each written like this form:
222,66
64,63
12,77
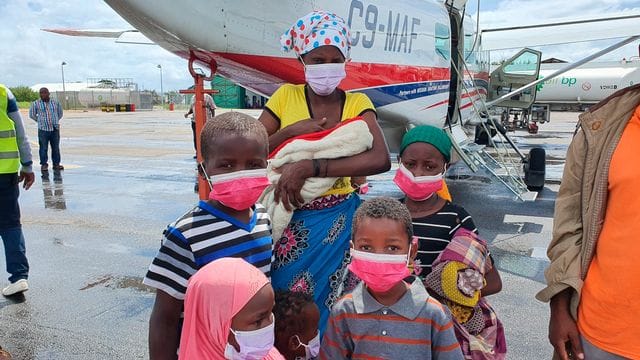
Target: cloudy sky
32,56
502,13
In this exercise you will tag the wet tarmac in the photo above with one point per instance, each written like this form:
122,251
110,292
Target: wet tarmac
92,230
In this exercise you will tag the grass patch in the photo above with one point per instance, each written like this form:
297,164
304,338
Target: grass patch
24,104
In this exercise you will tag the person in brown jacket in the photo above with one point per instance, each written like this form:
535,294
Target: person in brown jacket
592,280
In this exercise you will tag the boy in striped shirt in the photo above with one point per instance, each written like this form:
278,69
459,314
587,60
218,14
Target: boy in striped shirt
389,315
234,147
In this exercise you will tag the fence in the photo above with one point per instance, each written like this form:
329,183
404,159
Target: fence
95,98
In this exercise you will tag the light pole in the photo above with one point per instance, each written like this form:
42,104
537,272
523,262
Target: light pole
161,89
64,90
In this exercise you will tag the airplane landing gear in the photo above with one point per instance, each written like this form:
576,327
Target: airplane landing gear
534,169
482,137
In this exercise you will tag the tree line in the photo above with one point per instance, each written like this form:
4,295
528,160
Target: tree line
24,94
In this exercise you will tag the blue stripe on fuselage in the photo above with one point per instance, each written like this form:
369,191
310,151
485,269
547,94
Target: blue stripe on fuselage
390,94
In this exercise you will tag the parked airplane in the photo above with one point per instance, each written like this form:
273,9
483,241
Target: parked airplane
587,85
420,62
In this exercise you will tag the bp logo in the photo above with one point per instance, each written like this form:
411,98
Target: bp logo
540,84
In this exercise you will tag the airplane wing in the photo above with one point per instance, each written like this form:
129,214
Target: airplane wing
246,77
624,25
121,36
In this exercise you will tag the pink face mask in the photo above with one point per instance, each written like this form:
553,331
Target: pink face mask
324,78
379,271
417,188
238,190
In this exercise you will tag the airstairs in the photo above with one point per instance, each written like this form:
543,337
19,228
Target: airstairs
500,157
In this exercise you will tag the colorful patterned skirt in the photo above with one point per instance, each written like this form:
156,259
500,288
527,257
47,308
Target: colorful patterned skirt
313,253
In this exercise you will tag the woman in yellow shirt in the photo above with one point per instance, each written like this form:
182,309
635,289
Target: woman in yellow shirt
312,253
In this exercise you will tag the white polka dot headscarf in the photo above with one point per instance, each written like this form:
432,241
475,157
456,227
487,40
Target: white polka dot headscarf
317,29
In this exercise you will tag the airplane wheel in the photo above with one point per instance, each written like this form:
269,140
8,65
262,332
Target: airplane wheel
535,188
534,169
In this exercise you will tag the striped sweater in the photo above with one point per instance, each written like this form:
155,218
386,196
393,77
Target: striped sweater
416,327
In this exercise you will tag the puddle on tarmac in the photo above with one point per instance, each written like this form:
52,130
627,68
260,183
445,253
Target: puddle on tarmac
521,265
53,193
119,282
148,253
545,136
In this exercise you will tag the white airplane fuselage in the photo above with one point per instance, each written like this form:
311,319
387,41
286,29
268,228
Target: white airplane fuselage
588,84
400,54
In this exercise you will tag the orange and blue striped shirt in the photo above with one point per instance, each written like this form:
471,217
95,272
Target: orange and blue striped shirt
415,327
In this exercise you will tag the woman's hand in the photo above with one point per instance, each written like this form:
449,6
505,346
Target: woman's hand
494,282
292,178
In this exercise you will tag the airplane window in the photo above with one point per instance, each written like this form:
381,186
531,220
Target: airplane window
525,64
442,41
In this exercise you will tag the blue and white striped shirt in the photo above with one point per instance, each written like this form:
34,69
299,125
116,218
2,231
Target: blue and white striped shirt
203,235
46,113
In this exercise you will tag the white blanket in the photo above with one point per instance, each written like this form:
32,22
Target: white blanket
347,140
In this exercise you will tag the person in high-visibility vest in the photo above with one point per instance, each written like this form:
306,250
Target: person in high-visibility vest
15,168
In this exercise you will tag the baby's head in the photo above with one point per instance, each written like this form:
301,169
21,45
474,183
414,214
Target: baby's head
297,318
382,225
233,142
458,274
425,151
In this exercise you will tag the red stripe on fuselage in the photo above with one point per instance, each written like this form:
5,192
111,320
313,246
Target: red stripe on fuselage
359,75
473,93
436,104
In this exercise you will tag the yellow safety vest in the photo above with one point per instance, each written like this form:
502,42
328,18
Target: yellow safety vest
9,154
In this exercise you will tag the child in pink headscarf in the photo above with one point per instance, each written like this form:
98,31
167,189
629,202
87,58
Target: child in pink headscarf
228,313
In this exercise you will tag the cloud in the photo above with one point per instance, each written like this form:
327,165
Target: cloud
503,13
512,12
33,56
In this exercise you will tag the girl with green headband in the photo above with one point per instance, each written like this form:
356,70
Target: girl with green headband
425,154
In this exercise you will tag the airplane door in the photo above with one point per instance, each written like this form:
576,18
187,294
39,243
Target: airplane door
518,71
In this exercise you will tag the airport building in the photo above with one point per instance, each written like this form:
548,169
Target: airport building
99,92
116,92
